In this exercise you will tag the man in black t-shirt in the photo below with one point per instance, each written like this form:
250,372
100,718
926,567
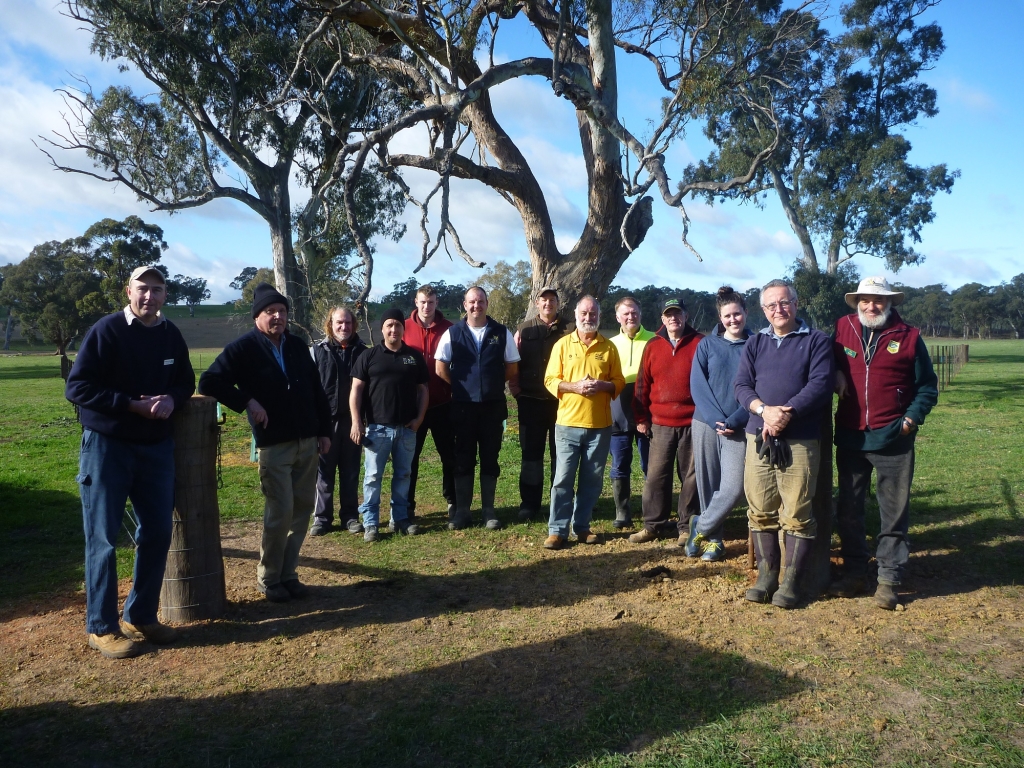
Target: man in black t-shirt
393,377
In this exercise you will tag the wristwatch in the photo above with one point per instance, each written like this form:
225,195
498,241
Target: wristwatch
760,410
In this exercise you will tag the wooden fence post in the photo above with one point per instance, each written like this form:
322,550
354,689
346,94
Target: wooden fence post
193,587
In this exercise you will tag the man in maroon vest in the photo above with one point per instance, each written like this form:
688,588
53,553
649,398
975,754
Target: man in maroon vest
886,387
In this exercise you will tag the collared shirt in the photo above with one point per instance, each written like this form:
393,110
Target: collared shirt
277,349
571,360
131,317
801,328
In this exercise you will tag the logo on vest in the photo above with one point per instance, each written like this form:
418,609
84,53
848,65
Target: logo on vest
894,347
409,360
849,352
494,340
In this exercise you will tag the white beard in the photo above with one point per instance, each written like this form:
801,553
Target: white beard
875,323
587,327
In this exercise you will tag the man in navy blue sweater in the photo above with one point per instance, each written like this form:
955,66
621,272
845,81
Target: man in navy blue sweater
269,374
131,373
785,380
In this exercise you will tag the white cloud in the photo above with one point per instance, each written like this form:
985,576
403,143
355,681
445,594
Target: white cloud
965,95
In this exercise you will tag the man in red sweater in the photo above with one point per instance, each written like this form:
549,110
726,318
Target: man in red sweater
664,409
423,330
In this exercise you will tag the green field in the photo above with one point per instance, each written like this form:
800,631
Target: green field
480,649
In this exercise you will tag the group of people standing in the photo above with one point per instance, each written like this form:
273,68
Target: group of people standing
731,414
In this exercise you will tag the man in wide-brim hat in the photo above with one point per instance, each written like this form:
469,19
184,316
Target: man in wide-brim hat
886,387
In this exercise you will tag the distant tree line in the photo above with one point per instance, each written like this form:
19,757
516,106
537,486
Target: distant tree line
60,289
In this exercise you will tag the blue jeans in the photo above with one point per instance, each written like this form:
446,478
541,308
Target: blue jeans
622,453
110,472
380,443
577,451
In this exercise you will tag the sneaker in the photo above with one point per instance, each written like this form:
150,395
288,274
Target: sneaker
714,550
114,646
320,529
156,633
354,526
622,524
886,597
295,588
391,525
370,533
588,537
554,542
642,536
695,541
525,514
276,593
409,529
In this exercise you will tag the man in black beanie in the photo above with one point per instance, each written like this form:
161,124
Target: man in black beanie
393,377
269,374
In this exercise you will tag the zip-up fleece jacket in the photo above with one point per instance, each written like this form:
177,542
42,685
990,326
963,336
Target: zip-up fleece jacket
118,363
898,379
662,395
630,352
712,377
425,341
335,364
536,340
295,403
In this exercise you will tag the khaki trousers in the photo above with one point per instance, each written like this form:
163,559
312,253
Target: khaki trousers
781,498
288,481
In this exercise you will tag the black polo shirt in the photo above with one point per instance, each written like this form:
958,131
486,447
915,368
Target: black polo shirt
391,382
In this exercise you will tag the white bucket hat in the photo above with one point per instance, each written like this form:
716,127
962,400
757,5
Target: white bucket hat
874,286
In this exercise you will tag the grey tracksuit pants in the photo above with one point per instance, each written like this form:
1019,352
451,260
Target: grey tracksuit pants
718,461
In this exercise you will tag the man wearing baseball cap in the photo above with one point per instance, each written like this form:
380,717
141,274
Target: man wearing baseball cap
130,375
269,374
538,408
886,388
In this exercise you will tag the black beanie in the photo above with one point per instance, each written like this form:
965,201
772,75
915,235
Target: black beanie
264,295
392,314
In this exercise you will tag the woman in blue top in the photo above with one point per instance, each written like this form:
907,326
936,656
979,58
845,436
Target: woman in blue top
719,444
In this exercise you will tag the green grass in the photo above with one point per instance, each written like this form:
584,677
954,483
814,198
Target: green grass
622,694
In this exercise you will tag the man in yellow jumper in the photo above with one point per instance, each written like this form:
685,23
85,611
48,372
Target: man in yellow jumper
630,343
585,375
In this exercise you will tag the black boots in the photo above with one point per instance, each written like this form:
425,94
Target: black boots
462,518
797,550
488,485
766,547
620,492
531,487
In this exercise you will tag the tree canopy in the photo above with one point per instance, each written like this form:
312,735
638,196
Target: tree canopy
262,88
250,93
842,173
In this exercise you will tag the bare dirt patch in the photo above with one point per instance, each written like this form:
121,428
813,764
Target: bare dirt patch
510,628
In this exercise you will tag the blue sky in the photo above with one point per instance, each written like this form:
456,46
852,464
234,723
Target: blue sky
974,236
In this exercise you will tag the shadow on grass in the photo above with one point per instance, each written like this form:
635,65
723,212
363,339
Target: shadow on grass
43,542
49,370
388,596
597,692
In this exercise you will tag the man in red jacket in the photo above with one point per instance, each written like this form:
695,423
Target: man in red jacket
423,329
886,387
664,409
